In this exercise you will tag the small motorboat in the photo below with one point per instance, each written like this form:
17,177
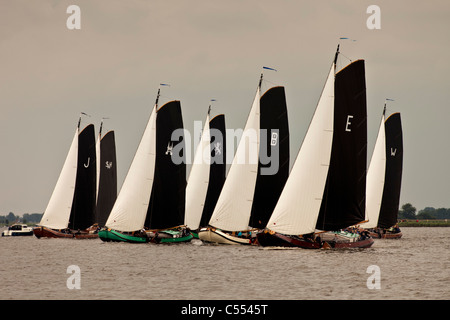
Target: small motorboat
18,229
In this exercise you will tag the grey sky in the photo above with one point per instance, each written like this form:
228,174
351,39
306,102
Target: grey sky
211,49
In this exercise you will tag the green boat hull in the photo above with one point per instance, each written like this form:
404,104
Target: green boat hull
115,236
194,235
175,237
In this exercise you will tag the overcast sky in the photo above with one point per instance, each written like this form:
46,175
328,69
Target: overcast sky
212,49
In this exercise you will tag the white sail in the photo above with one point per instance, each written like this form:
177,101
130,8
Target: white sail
198,181
375,179
130,209
233,208
57,213
298,207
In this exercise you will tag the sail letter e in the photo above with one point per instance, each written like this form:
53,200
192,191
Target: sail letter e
74,21
374,281
374,21
74,281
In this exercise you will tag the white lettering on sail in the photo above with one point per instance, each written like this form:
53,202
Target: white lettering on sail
169,148
87,165
393,152
348,123
274,140
108,164
217,149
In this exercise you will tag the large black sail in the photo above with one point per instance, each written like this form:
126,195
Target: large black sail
274,146
107,186
343,202
167,201
217,167
82,215
393,176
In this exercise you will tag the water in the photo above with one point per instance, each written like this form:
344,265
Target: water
416,266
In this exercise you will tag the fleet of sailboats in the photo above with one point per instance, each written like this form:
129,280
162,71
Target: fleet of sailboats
329,199
78,203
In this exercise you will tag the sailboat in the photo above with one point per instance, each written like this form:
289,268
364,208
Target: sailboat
325,191
70,212
251,188
106,175
151,203
384,178
207,174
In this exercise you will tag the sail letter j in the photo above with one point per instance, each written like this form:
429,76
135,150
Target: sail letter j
348,123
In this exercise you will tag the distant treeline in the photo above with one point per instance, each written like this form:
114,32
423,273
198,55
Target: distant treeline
29,218
429,213
406,212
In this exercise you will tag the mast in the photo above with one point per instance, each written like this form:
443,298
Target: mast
167,201
298,205
198,182
107,177
376,177
217,168
131,206
394,165
344,198
82,214
232,211
57,213
275,138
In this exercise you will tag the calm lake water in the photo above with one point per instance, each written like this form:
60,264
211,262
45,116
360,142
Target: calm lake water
416,266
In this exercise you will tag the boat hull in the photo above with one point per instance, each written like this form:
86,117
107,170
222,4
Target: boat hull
216,236
18,230
170,236
43,232
387,235
11,233
109,235
274,239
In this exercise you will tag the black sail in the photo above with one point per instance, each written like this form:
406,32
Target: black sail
393,176
217,168
343,202
167,201
274,145
107,186
82,215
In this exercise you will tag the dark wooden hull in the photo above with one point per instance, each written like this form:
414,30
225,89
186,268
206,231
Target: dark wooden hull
387,235
269,239
43,232
273,239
